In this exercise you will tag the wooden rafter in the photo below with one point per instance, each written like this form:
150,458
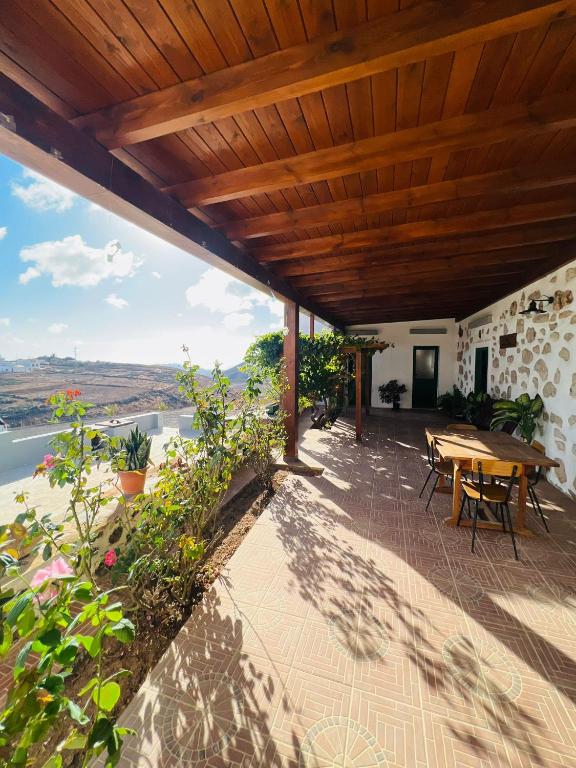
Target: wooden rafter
412,35
509,180
546,115
474,222
522,243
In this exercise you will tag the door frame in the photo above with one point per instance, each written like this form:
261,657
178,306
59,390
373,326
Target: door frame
476,348
436,348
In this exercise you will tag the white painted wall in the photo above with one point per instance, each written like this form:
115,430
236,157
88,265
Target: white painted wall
396,362
544,362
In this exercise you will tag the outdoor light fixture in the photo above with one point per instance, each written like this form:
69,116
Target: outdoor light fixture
536,306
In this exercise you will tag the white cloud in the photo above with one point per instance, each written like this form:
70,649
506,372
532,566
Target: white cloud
237,320
30,274
116,301
57,328
72,262
41,194
157,275
5,321
3,232
220,292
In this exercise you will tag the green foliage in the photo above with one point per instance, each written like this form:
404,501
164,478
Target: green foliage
524,412
177,521
390,392
478,409
322,365
452,403
134,451
59,614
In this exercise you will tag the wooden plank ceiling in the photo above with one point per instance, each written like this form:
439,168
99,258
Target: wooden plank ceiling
389,159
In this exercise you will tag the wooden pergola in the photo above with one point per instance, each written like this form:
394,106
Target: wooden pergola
362,352
367,160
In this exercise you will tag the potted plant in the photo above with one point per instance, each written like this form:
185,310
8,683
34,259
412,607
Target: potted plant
390,393
524,412
478,409
132,461
452,403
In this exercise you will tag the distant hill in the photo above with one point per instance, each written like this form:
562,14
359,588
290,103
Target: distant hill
132,388
235,375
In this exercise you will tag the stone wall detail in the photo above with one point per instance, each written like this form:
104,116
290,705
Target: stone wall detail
544,362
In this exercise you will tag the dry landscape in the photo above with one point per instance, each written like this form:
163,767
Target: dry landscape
134,388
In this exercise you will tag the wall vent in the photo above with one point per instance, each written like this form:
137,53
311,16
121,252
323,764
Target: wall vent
479,321
427,331
363,331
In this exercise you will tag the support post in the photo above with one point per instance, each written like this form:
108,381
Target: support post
290,400
358,394
367,383
311,326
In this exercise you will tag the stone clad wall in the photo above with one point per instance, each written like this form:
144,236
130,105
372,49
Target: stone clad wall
543,361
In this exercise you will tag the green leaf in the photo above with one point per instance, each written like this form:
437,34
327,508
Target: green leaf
51,638
123,631
20,662
83,591
5,639
92,644
47,552
78,716
88,687
53,762
74,741
21,603
107,696
67,653
100,733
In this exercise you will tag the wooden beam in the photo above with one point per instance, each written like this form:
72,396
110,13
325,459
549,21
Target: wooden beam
416,265
529,239
550,114
358,404
311,325
482,221
509,180
37,137
290,397
385,43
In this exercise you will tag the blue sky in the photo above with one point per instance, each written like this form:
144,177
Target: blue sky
74,275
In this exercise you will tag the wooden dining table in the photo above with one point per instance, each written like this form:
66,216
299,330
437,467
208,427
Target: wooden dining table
462,447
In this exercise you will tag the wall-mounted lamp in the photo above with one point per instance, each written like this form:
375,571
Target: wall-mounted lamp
537,305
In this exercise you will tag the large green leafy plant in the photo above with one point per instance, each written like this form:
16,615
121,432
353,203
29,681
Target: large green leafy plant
524,411
54,616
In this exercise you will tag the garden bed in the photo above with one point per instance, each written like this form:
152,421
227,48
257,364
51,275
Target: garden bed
156,629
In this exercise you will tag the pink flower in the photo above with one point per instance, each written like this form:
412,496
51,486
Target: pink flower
55,570
48,461
110,558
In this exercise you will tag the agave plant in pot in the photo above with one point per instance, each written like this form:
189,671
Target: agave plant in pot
132,461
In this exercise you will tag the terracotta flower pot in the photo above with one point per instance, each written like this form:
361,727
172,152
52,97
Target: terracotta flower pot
132,481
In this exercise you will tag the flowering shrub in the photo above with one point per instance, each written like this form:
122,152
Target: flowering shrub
59,615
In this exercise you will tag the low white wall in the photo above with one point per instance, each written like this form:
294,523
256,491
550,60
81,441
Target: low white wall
397,362
543,361
28,451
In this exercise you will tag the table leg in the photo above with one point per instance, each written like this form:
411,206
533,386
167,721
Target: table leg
522,495
456,495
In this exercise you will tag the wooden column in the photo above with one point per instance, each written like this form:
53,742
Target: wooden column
290,401
367,383
358,395
311,326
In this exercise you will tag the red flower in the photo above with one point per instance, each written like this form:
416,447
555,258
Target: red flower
77,392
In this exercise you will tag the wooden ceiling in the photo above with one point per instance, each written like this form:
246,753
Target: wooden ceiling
385,159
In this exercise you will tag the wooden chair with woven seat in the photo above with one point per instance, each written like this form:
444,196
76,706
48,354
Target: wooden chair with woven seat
490,493
462,427
437,466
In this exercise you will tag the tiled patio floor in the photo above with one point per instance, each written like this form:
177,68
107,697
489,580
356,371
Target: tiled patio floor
353,629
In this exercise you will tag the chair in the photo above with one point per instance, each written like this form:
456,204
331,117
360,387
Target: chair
462,427
533,474
439,467
490,493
